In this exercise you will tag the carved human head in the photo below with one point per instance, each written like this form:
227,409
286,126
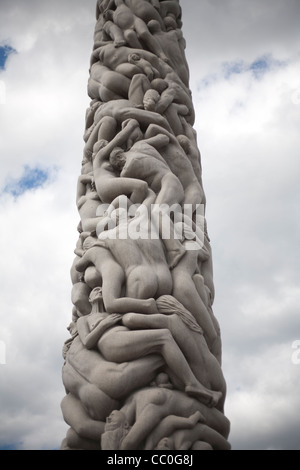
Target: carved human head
159,84
99,145
117,159
151,98
116,420
108,15
163,380
170,22
154,26
96,294
165,444
133,58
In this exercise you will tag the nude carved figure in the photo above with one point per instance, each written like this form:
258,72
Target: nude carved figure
143,366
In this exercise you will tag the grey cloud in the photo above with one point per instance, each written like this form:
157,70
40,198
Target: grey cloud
218,31
251,178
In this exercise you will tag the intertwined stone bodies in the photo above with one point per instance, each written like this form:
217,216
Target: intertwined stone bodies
143,364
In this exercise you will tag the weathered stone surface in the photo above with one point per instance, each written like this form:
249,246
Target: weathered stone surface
143,363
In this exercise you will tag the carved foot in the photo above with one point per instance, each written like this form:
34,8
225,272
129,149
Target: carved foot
209,398
175,256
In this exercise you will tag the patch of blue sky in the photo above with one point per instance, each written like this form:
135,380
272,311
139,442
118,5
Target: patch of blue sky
233,68
32,178
258,68
9,446
265,64
5,51
207,81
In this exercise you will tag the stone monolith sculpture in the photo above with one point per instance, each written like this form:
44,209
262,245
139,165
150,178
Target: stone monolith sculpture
142,366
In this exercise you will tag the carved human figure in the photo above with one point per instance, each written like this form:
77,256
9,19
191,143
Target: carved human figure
122,110
107,182
87,202
106,31
172,112
138,61
113,280
169,425
172,92
85,370
146,10
115,431
185,291
186,439
117,343
87,430
180,165
137,76
73,441
89,118
146,408
137,232
144,162
105,84
133,27
103,5
100,384
117,59
105,129
142,369
80,297
148,256
170,88
188,144
179,433
163,96
173,45
141,259
190,340
205,294
170,8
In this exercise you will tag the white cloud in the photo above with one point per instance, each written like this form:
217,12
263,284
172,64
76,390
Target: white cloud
248,132
35,310
263,403
45,82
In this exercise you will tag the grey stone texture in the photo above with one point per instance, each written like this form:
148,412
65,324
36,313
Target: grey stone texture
142,365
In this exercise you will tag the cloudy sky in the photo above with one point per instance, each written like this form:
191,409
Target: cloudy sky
244,61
